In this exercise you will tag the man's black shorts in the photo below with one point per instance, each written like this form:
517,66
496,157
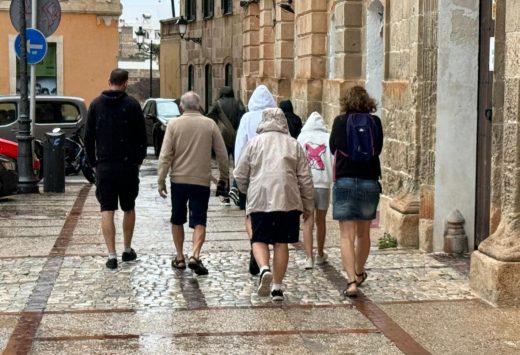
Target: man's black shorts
196,197
117,182
275,227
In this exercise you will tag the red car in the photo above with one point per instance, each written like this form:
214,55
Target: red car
8,167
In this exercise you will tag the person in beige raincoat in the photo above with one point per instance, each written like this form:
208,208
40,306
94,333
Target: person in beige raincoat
273,170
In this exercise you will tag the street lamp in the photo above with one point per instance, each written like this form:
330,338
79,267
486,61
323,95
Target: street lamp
183,28
148,51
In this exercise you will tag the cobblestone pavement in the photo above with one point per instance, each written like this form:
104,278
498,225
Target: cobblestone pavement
57,297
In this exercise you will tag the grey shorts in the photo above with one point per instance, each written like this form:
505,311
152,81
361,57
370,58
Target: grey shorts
321,198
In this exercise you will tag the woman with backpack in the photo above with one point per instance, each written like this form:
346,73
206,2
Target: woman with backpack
356,141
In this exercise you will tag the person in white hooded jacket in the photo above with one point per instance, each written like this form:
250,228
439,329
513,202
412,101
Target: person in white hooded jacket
247,130
314,138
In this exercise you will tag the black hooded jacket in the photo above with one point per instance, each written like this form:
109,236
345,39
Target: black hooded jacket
293,121
233,108
115,130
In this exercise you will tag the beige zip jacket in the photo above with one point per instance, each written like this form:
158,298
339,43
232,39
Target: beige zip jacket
273,169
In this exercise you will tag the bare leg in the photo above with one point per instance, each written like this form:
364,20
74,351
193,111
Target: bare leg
261,253
128,227
249,227
280,261
308,226
178,240
348,235
362,245
321,230
199,235
109,230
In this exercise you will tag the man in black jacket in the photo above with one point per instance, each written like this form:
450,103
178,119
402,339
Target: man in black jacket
115,139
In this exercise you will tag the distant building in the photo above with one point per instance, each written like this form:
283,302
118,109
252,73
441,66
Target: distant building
81,53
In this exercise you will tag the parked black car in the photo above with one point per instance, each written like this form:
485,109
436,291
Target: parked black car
157,113
8,176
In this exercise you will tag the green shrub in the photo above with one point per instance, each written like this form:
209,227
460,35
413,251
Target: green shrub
387,241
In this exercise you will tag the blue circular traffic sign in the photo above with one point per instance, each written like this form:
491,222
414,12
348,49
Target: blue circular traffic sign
36,46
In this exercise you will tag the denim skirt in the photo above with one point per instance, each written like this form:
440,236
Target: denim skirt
355,199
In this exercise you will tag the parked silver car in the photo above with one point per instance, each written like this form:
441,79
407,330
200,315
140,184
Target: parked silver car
64,112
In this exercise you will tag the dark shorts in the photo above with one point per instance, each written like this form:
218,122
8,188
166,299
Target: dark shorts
275,227
355,199
194,197
117,183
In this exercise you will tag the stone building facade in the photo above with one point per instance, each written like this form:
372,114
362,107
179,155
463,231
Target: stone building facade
84,49
425,63
217,61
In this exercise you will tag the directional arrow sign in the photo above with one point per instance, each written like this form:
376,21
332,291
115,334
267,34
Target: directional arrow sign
36,46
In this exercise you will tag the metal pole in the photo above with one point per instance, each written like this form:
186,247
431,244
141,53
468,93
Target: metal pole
151,54
27,183
32,114
173,8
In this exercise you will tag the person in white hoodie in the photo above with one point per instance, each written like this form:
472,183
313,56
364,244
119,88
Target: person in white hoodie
247,130
314,138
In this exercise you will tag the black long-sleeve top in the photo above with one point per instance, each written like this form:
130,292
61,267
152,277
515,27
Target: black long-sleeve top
348,168
115,130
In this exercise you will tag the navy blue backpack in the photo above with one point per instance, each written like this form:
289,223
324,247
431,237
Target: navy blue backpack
362,137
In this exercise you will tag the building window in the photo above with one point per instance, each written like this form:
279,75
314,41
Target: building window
191,10
209,85
228,80
46,73
209,8
227,7
191,77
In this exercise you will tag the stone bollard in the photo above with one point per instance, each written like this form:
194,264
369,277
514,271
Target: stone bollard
455,238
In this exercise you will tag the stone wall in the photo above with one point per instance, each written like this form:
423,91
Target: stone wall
495,267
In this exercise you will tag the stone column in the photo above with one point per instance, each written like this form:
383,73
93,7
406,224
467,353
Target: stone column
311,39
283,53
347,29
266,44
251,42
495,267
457,90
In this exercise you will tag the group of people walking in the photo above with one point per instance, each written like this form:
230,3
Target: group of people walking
283,174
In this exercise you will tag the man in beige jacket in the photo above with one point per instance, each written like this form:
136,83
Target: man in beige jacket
186,154
273,170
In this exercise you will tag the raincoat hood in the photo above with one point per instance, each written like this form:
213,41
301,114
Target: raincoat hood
113,96
286,106
226,91
273,120
315,122
261,99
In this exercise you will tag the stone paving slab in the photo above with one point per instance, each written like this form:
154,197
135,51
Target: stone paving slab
462,327
26,247
7,324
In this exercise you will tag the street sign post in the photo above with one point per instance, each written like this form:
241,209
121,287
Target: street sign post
36,46
48,19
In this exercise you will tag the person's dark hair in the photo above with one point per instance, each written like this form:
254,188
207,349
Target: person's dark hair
118,77
357,100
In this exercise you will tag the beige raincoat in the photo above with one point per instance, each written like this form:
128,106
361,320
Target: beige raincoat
273,169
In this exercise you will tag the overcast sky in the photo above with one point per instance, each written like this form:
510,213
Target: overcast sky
158,9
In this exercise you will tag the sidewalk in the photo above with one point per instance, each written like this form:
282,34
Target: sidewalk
57,297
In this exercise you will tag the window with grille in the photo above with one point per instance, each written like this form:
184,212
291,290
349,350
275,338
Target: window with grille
209,8
191,77
227,7
229,75
191,10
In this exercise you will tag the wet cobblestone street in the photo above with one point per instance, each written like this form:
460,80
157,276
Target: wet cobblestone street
57,297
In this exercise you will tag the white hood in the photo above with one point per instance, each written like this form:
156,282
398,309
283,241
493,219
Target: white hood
314,139
315,122
261,99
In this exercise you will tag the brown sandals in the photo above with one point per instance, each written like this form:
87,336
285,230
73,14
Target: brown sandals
351,294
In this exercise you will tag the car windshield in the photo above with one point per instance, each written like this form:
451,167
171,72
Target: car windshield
167,108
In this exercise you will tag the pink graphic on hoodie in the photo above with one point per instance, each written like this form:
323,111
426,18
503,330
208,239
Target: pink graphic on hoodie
314,155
